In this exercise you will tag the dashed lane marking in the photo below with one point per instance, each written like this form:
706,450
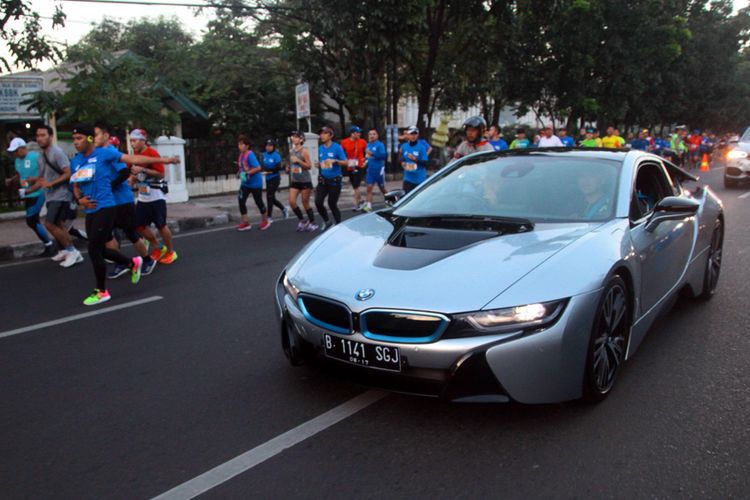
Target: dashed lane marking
744,195
75,317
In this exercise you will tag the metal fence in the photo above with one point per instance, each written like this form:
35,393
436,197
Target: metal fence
209,159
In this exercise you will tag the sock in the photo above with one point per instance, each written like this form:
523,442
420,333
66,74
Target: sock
298,213
310,215
70,248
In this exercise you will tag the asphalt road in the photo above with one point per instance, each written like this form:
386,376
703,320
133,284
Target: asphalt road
133,402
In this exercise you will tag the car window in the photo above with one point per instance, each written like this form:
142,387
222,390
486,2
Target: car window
651,185
746,136
537,187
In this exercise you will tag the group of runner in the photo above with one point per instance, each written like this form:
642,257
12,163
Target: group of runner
353,157
100,180
683,148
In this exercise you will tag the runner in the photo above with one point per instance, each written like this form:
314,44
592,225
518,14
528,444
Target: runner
375,163
272,171
474,140
520,142
152,199
354,147
251,182
494,137
124,209
414,159
620,140
54,174
548,138
589,141
611,140
93,171
678,145
300,166
27,171
331,157
694,143
641,143
566,140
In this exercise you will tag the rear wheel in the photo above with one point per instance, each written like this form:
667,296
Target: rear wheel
729,183
608,340
713,262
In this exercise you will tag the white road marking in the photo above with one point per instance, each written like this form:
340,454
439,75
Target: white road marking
269,449
68,319
744,195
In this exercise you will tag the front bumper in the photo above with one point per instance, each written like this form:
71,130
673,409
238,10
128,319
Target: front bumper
543,367
738,170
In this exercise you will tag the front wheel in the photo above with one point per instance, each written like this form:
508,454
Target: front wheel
608,340
713,262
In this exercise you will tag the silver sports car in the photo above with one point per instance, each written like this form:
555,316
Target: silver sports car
527,275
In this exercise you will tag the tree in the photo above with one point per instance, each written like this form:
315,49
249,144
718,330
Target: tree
27,46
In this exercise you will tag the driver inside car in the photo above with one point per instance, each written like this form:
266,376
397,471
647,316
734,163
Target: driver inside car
591,183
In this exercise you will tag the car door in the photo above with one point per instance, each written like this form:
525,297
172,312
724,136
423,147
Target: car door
663,253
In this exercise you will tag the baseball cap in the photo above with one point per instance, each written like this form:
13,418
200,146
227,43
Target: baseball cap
84,129
354,128
412,130
296,133
271,142
138,133
326,129
589,130
16,143
113,140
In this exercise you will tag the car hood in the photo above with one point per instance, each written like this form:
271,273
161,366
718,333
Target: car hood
349,257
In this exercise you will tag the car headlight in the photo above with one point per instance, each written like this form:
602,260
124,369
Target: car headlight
525,318
736,154
290,288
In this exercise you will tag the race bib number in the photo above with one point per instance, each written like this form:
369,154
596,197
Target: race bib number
352,163
84,174
243,176
144,189
296,170
410,167
326,164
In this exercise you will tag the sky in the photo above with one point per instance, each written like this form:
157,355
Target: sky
81,15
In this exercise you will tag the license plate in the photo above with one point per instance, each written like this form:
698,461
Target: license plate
383,357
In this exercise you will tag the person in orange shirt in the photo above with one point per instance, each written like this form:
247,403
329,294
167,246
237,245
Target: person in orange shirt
355,147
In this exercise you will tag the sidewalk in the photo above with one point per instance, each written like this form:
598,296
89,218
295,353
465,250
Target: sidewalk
18,241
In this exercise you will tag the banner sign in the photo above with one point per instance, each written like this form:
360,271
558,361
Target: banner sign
302,92
14,90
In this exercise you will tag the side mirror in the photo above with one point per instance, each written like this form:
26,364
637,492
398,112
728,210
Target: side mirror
672,208
392,197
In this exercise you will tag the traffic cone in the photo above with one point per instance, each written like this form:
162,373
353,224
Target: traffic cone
704,163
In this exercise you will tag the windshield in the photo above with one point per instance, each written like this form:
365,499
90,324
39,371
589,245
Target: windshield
746,136
534,187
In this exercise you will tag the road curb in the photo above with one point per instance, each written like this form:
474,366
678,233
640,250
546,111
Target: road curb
33,249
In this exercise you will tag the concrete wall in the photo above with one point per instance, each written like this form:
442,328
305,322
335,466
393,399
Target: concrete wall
221,184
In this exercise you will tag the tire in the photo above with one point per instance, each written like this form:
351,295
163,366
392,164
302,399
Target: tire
713,262
608,341
729,183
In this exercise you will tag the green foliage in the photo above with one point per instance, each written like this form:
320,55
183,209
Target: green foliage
27,46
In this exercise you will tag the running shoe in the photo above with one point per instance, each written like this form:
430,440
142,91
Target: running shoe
325,225
169,258
148,267
367,208
72,259
301,226
311,226
285,210
244,226
265,225
119,270
59,256
97,297
135,271
49,251
158,253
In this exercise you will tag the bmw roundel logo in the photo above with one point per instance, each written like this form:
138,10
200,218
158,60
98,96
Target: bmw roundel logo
364,294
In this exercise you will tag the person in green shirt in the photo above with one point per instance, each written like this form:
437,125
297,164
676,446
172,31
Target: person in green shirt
678,144
520,142
589,141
